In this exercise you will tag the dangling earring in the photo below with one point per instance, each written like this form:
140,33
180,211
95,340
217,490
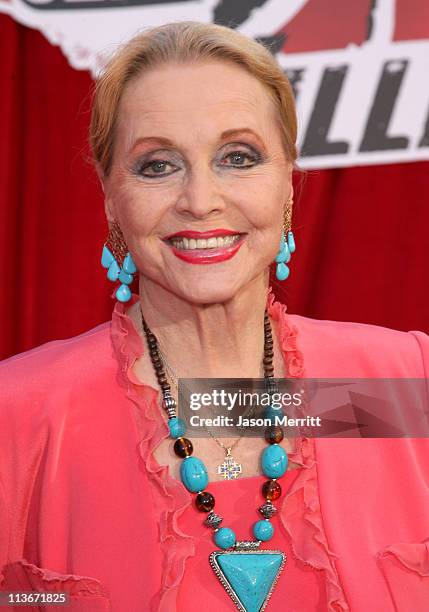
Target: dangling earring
118,261
287,246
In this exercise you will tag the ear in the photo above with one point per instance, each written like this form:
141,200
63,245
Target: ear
289,178
289,183
108,202
100,174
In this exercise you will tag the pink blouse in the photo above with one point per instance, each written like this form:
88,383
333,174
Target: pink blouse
85,507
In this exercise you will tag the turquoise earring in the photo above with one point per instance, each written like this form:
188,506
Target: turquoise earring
286,248
114,271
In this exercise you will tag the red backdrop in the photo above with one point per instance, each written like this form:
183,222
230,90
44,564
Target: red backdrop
361,233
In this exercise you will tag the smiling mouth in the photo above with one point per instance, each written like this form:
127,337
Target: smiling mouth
210,247
206,244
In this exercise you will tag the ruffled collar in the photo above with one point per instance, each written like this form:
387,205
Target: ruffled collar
300,511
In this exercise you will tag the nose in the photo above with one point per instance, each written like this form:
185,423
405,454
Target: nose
201,195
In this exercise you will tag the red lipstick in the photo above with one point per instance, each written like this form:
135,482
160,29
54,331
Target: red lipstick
207,255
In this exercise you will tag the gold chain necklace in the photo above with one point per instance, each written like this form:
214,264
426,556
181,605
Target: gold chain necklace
229,469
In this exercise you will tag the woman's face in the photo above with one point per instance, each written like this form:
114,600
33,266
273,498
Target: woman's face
199,179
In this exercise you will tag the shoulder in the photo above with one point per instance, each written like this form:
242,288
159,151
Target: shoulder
54,366
343,348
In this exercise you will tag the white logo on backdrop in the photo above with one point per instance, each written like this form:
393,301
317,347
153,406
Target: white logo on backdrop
361,104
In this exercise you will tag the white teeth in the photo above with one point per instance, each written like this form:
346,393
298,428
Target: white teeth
201,243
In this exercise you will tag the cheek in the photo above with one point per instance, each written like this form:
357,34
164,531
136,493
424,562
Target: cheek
139,212
265,211
263,198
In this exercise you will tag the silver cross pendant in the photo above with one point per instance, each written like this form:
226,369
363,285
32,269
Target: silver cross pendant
229,469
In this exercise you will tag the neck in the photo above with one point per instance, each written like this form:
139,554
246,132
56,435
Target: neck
221,340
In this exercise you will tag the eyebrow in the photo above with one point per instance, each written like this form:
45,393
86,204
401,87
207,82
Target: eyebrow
226,134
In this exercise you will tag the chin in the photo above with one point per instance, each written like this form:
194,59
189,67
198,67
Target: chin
210,291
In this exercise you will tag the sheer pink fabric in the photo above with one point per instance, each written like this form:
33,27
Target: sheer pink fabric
85,507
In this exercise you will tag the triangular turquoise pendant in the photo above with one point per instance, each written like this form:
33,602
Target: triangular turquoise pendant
248,576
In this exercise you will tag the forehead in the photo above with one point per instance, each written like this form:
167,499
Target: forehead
195,101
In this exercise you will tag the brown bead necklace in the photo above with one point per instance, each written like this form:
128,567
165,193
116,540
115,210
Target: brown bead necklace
230,468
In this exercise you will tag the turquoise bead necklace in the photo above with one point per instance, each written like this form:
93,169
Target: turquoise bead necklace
247,572
229,469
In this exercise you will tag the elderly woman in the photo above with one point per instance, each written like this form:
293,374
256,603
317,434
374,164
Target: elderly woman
102,495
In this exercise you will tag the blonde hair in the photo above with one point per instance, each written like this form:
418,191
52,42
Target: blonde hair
183,42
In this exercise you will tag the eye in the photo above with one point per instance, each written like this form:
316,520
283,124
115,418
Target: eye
239,158
157,166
